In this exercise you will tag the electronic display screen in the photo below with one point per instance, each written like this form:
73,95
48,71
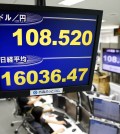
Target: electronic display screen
85,102
106,109
111,60
84,118
98,127
71,109
47,47
59,102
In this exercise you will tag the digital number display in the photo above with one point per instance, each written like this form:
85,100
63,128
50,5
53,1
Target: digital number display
111,60
54,77
44,48
45,37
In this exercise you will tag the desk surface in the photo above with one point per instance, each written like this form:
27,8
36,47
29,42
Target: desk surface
55,127
46,105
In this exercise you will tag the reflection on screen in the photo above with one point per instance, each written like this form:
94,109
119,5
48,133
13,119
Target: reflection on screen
106,109
72,96
84,118
97,127
71,110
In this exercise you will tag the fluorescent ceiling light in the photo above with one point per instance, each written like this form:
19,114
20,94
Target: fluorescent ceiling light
70,2
107,31
109,27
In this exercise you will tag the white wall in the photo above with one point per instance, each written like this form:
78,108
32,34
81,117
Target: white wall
25,2
108,38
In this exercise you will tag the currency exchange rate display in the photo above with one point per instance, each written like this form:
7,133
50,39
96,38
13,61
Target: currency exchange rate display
47,49
111,60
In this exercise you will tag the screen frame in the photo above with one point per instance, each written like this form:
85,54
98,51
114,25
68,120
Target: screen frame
102,59
104,123
106,118
35,9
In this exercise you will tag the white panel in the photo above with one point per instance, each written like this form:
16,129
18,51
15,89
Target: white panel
24,2
7,1
108,37
115,89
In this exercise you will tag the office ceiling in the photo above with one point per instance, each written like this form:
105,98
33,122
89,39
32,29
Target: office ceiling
110,7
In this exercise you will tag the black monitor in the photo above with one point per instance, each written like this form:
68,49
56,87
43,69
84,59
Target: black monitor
73,96
59,102
85,102
98,127
106,109
117,32
84,117
44,48
71,109
111,60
